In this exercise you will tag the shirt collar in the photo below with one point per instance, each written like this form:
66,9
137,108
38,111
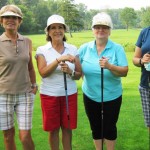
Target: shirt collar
49,45
108,45
5,38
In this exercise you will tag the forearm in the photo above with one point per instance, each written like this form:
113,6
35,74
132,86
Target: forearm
32,76
138,62
34,85
47,70
78,70
118,70
76,76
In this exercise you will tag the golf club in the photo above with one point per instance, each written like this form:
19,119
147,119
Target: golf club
149,139
102,96
67,105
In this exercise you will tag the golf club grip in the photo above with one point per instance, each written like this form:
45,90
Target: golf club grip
65,81
102,81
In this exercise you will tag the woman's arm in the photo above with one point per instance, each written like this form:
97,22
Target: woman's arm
74,74
138,60
120,71
32,71
45,70
78,70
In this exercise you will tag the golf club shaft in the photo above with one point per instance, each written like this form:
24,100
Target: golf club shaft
149,138
102,97
67,107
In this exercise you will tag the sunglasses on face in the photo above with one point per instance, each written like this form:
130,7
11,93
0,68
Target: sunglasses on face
10,17
98,27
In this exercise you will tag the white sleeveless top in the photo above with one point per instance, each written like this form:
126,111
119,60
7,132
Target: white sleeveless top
53,85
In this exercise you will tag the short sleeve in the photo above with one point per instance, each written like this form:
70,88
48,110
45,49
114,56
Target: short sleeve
39,52
121,56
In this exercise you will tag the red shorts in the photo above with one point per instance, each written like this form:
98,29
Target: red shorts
54,112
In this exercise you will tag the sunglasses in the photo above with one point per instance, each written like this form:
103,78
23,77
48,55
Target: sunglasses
98,27
11,17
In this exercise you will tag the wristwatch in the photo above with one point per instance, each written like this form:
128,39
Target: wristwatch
73,73
34,85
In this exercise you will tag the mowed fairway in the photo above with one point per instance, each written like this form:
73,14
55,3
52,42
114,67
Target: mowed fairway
132,133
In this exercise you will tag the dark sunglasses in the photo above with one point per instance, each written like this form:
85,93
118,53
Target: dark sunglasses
11,17
98,27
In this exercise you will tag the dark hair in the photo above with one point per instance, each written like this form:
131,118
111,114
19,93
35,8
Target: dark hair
48,38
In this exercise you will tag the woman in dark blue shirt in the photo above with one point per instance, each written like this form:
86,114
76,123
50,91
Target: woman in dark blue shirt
142,59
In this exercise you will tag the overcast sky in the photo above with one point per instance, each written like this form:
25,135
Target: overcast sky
102,4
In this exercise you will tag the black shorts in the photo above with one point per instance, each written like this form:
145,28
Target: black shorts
111,111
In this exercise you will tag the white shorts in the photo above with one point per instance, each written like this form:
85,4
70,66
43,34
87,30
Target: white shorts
19,104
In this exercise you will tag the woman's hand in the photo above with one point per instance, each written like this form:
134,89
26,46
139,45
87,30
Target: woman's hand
67,57
146,58
120,71
34,88
65,68
104,63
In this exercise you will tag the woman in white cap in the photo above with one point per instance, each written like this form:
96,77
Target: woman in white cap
103,64
17,80
59,104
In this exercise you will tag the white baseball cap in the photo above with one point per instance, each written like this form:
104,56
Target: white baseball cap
10,13
102,19
55,19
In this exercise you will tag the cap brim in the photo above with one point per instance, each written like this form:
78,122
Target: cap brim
67,28
9,13
103,24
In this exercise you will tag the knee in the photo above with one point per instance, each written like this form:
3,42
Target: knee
9,135
25,137
66,131
54,132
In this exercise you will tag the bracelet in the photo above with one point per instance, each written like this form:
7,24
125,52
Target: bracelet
57,61
34,85
140,62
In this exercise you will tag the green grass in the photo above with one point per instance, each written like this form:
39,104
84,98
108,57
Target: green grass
132,133
120,36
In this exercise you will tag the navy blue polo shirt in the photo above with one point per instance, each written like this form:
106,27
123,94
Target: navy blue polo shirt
143,42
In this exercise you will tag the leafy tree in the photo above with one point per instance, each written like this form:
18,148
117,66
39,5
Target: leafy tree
138,20
41,14
115,16
145,17
3,3
27,24
70,13
29,3
77,17
82,10
128,16
16,2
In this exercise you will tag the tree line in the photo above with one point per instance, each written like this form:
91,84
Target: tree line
77,16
